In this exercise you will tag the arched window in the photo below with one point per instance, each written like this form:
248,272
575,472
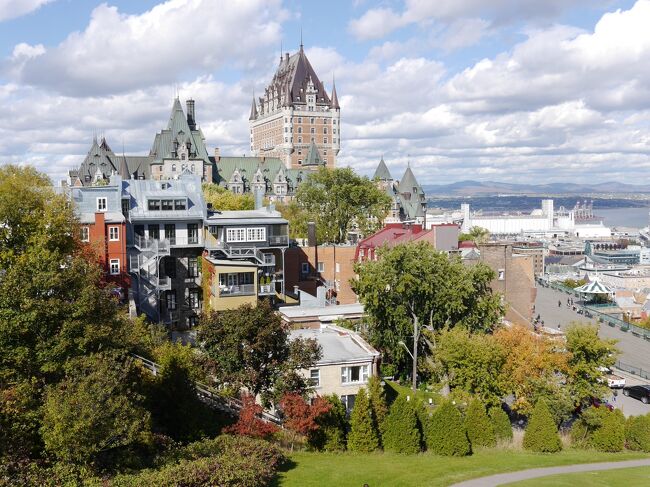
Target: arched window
173,167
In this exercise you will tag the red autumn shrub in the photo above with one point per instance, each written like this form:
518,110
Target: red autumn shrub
249,422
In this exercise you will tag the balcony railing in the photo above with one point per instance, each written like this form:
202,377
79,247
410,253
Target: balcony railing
278,240
237,290
163,245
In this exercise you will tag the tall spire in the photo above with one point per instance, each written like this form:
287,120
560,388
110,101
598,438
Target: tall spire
253,114
335,99
301,39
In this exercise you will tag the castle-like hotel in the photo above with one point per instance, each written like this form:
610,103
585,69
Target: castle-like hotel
295,128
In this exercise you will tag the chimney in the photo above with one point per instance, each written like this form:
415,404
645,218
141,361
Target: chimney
191,119
217,154
286,56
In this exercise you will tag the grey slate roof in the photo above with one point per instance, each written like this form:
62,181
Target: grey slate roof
187,186
100,156
338,345
291,79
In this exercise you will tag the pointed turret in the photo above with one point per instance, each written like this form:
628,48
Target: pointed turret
124,169
253,114
313,156
335,98
382,173
408,183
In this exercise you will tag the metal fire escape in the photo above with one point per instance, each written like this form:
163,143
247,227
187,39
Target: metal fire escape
146,267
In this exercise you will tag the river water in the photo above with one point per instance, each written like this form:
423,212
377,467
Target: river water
624,217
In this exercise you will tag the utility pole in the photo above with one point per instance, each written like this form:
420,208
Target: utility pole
416,332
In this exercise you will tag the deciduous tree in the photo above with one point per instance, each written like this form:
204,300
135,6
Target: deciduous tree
249,347
411,286
222,199
331,436
249,421
95,410
300,417
338,199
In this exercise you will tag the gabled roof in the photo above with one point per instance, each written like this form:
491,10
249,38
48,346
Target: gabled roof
382,173
179,132
101,158
269,167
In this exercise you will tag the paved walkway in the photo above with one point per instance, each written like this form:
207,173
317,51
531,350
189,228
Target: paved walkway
507,478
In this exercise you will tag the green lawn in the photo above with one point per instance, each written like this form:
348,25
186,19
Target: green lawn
386,469
623,477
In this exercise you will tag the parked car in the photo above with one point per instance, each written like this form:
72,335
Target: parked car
642,392
613,381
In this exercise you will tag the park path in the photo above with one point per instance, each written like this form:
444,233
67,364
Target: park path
533,473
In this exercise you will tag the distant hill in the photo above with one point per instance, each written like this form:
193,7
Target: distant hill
468,188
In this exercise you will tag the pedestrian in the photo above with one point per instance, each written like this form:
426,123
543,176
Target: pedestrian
614,396
559,304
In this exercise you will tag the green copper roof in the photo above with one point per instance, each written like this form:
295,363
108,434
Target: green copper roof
382,173
271,169
313,157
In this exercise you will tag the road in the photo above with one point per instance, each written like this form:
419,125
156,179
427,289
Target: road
634,350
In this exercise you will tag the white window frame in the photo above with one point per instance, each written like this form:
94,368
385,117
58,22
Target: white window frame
304,267
321,267
346,374
85,234
314,378
114,271
236,234
171,300
256,234
102,204
114,234
194,298
501,274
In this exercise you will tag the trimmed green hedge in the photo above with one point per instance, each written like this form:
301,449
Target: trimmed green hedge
637,433
610,437
444,431
363,435
501,424
480,430
401,433
541,434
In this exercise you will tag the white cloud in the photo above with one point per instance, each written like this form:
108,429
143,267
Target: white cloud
118,52
10,9
376,23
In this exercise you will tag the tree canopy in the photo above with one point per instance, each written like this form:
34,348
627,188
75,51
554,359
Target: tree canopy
412,282
337,200
222,199
249,347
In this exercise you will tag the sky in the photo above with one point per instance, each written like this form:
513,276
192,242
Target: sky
521,91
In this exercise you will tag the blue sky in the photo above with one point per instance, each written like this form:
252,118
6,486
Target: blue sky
509,90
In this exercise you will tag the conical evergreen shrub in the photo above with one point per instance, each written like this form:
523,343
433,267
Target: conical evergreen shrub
501,424
363,434
444,431
401,433
378,405
610,437
541,434
480,431
637,433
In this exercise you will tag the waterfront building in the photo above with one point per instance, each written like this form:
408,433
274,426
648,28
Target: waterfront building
296,120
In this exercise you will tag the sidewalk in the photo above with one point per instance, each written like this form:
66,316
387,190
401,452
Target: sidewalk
507,478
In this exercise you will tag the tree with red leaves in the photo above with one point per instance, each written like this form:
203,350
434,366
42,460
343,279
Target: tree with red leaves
300,417
249,422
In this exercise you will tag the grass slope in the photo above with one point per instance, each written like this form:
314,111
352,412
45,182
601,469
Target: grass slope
623,477
347,469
